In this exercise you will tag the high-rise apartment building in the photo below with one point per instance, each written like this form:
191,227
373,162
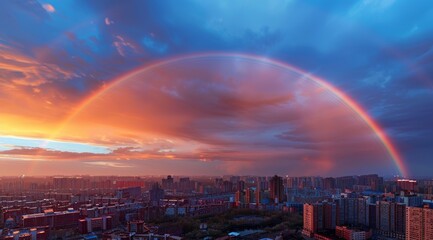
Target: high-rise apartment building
345,182
329,183
349,210
312,223
390,219
407,184
414,223
168,183
319,217
419,223
156,194
276,189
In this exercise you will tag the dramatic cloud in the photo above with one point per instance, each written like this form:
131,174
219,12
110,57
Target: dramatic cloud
230,109
18,69
214,115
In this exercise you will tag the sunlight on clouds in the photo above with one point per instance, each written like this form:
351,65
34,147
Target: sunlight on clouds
108,21
52,144
227,109
109,164
48,7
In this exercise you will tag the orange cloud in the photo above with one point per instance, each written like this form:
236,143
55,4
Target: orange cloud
31,103
237,116
18,69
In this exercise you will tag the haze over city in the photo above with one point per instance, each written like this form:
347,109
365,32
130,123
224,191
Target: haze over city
216,88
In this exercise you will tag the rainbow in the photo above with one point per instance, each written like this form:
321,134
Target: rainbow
349,102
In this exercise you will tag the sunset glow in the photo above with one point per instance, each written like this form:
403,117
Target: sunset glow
237,111
107,91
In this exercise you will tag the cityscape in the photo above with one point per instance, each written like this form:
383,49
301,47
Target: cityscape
216,120
226,207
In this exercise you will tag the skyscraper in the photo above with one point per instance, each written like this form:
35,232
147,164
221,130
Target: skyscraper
414,223
329,183
428,223
168,183
156,194
347,211
407,184
419,223
312,216
276,189
384,216
400,220
319,217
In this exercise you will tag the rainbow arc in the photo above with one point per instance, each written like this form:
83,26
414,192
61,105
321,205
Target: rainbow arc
348,101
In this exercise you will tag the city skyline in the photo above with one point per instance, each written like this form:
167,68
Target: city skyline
223,88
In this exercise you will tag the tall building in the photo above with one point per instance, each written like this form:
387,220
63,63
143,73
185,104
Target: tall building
262,184
400,220
259,193
240,198
241,185
276,189
168,183
428,223
419,223
349,210
329,215
219,183
384,216
156,194
185,184
406,184
390,219
250,196
362,209
372,215
227,186
345,182
319,217
311,220
329,183
372,180
414,223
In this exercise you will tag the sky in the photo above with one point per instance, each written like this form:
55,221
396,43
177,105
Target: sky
216,87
